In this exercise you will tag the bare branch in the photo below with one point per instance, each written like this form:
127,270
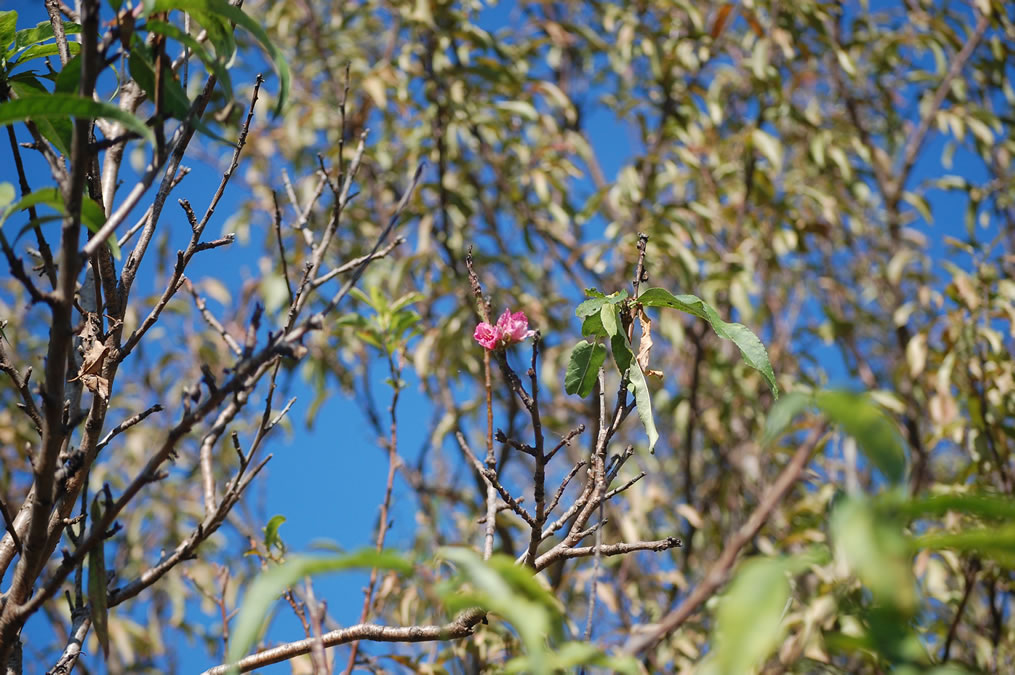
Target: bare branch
607,550
127,424
462,626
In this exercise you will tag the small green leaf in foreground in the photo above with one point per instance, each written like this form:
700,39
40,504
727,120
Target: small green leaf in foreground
47,106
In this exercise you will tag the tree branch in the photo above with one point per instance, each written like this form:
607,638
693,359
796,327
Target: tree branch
462,626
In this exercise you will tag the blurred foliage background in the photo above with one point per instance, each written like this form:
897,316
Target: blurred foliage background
836,176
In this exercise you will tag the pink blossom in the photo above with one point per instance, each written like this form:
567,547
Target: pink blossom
486,335
514,327
510,328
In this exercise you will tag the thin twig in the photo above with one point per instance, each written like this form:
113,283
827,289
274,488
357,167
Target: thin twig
356,262
281,247
9,525
211,320
127,424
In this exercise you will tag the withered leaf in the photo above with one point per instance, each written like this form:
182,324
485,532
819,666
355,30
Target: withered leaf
92,363
645,345
96,384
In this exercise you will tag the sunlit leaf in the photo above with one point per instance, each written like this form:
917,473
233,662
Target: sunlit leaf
271,538
782,413
8,25
497,591
238,16
873,430
91,213
749,617
58,106
623,355
751,348
876,550
269,585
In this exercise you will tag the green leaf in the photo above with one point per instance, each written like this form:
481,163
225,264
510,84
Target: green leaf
997,543
873,545
43,31
610,320
643,399
749,617
873,430
219,32
589,307
57,131
583,367
568,656
143,72
498,589
782,414
271,538
769,146
269,585
751,348
91,213
69,78
593,326
176,101
97,580
236,15
60,106
38,51
8,26
987,506
596,302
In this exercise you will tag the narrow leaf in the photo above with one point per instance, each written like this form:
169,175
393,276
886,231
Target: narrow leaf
271,538
91,213
7,194
213,64
877,552
583,367
41,32
874,432
269,585
59,106
643,399
782,413
236,15
57,131
8,25
37,51
751,348
749,617
986,506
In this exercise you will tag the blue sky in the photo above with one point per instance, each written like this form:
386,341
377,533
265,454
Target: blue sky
314,508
